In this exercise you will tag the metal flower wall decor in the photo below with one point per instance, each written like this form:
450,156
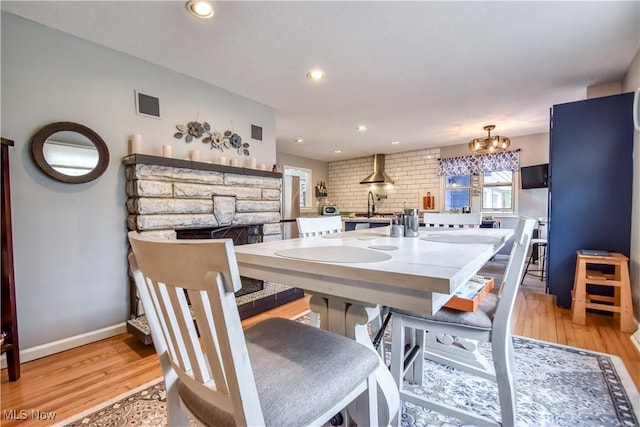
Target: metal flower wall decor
220,141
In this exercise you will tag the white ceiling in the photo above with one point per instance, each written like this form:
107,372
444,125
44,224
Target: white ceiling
427,74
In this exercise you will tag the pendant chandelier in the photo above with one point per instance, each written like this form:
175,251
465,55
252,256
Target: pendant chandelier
490,144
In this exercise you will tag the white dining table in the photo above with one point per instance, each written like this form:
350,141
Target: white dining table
351,274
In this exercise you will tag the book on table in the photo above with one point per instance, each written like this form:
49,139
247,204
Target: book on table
471,294
594,252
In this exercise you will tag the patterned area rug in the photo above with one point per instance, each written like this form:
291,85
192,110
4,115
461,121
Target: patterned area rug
557,386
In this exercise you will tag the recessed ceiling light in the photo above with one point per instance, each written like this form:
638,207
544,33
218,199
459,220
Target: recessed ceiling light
361,128
315,75
337,151
201,9
299,140
395,142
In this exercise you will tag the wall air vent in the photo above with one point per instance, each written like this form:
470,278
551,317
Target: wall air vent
256,132
147,105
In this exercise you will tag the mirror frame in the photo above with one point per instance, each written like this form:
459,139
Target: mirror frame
40,138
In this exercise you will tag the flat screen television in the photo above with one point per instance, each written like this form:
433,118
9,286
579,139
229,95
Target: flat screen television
535,176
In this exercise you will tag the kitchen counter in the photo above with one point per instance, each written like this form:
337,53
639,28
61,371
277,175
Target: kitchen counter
365,219
357,223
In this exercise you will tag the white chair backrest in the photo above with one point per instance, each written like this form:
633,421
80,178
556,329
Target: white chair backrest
452,220
166,273
317,226
512,275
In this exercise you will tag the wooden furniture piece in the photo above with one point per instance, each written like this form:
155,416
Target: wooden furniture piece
420,275
277,372
9,326
590,184
620,303
446,220
317,226
491,322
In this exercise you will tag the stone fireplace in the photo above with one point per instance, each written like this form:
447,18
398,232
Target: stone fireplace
241,235
174,198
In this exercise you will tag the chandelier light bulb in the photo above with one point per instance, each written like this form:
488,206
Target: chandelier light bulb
490,143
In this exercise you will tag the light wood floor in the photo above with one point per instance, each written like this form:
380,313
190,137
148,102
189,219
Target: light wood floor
73,381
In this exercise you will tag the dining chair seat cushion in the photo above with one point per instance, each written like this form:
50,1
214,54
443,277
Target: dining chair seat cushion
481,318
289,360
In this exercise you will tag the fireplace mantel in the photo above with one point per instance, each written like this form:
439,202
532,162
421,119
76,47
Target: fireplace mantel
188,164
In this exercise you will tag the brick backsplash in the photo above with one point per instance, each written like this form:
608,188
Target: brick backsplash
415,173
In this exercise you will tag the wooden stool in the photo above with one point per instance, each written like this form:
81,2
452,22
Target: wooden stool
620,303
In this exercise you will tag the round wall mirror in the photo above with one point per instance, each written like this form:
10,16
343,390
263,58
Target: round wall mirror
70,152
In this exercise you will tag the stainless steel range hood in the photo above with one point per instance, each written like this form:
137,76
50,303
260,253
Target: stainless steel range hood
378,176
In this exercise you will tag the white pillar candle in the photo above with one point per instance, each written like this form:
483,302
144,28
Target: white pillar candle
234,162
222,160
166,151
263,167
252,163
195,155
135,144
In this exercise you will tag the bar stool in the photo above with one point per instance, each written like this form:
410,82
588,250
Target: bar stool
620,303
535,244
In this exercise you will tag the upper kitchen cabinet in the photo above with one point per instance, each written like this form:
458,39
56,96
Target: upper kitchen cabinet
590,184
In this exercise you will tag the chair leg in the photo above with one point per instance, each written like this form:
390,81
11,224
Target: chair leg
527,267
544,260
175,415
314,319
504,364
418,365
397,359
372,390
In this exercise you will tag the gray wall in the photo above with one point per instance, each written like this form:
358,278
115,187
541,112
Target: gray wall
70,241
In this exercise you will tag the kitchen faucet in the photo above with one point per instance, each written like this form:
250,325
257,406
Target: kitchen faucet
371,205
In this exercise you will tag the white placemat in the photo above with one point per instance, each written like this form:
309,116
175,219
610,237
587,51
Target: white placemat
461,238
359,236
335,254
384,247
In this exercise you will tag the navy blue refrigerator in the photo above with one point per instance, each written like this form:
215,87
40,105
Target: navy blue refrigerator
590,184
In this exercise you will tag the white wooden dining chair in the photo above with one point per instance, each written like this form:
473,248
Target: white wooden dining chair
317,226
491,322
276,373
452,220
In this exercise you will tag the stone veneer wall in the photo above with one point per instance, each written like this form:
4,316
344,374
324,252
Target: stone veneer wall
164,198
414,172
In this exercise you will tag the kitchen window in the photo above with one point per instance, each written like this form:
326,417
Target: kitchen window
498,192
489,178
305,183
457,192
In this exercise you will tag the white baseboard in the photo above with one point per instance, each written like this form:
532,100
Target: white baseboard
54,347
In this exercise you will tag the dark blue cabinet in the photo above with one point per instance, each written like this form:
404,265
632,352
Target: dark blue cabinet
590,184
